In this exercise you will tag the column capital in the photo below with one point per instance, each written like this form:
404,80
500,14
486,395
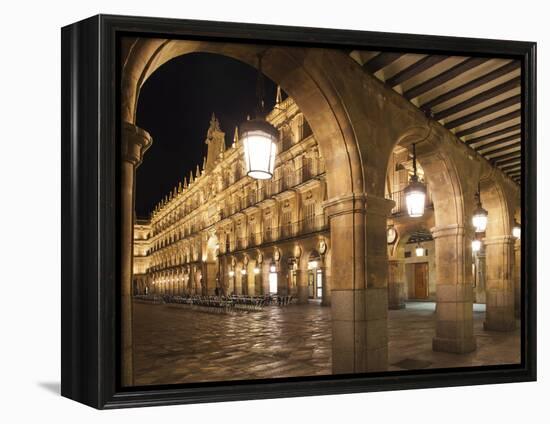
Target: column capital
506,239
452,230
135,141
358,203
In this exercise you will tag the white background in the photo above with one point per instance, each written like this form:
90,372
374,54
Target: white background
30,209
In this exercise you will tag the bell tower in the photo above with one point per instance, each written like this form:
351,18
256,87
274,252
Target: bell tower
215,140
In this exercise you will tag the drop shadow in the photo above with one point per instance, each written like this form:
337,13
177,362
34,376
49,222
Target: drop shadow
51,386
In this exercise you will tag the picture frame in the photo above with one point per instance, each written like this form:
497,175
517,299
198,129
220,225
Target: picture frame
92,213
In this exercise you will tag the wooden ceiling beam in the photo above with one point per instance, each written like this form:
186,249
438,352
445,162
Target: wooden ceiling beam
499,142
512,165
443,77
381,61
484,79
502,149
494,134
506,159
510,101
480,98
414,69
489,124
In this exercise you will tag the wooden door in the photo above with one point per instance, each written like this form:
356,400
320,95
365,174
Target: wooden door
421,280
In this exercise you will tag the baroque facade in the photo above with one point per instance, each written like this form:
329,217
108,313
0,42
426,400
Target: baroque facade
222,232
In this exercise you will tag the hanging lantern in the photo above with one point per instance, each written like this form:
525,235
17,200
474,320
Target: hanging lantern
256,270
259,137
419,250
272,268
243,271
476,245
231,273
516,230
415,193
479,218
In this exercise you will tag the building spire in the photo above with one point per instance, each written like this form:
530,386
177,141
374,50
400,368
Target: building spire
191,179
184,182
279,97
197,172
214,126
215,140
236,136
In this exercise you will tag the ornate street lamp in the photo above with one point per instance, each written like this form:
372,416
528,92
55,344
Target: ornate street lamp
476,245
259,137
479,218
415,193
419,250
516,230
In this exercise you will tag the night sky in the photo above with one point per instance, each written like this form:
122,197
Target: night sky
175,106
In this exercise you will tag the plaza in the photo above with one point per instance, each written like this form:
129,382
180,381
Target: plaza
391,219
175,344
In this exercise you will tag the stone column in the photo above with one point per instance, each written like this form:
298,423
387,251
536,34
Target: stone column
191,281
251,278
481,268
282,280
265,278
135,142
238,280
454,293
301,282
258,283
209,271
517,278
500,284
396,284
358,294
325,270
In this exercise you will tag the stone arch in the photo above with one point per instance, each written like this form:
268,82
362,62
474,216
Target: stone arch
499,244
347,111
452,198
300,73
499,206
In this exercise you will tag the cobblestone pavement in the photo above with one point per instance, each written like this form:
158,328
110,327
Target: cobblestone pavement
411,331
176,345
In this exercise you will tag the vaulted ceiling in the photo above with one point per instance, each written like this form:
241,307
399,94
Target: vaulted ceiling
478,99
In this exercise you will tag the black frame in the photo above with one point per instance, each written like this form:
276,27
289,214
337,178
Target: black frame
90,248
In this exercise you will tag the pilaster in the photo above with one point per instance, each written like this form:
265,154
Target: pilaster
454,292
500,284
358,295
135,142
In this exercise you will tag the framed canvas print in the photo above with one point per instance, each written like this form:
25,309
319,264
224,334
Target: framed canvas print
256,211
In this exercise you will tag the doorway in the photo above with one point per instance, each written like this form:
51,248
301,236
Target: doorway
315,284
421,280
272,283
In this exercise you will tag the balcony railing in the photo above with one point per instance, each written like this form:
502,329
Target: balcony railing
285,231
